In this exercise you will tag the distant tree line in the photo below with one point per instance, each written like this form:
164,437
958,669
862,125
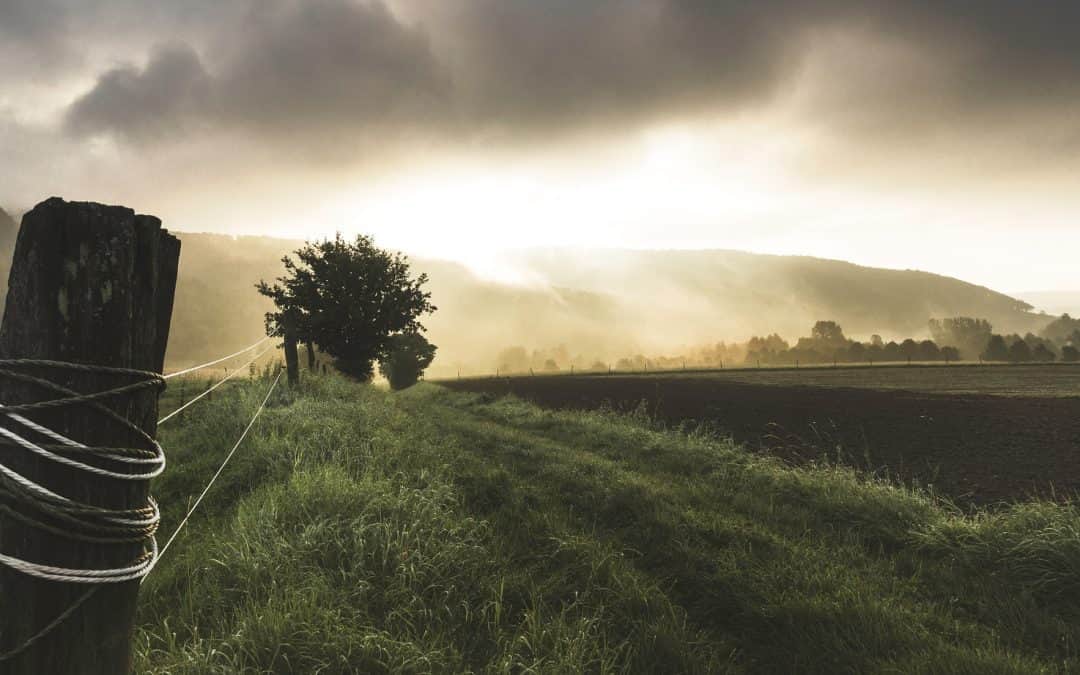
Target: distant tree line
952,339
828,344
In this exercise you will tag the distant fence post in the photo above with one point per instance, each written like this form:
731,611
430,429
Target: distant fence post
292,359
90,284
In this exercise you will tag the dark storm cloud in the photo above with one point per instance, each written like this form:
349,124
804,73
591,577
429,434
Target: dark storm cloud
32,37
330,63
567,62
323,68
143,104
58,37
958,66
316,68
28,19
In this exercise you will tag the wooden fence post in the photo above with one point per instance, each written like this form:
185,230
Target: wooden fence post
292,359
89,284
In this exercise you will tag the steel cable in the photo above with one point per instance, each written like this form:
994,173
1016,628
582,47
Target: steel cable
216,361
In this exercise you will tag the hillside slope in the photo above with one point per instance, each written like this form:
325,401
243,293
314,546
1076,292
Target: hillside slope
217,309
363,531
600,305
739,293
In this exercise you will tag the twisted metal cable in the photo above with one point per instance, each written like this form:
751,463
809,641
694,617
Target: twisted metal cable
85,522
60,618
34,505
216,361
221,468
214,386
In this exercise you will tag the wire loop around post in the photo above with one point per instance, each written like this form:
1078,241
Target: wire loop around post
34,505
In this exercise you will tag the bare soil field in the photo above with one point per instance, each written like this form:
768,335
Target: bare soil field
1036,380
975,448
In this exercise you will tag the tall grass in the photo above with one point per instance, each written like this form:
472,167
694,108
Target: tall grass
426,531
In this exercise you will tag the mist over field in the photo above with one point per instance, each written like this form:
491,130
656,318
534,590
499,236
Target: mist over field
605,305
583,307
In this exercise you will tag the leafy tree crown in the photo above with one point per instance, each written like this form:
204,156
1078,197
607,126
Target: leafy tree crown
349,298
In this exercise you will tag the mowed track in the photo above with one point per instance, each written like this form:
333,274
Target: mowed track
973,448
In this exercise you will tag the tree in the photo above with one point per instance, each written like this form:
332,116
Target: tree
950,354
766,349
1070,354
891,351
350,299
968,334
996,350
1042,353
1019,352
407,357
928,351
857,352
909,349
828,333
1061,330
513,360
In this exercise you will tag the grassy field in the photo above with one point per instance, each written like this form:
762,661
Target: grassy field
432,531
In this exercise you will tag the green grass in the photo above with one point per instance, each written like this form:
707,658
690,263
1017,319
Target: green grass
363,531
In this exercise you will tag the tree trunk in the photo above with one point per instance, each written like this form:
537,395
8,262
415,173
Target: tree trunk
292,359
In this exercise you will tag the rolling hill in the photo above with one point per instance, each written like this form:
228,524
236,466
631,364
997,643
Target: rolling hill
600,305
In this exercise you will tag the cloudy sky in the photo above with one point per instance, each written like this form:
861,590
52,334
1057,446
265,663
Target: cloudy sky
932,134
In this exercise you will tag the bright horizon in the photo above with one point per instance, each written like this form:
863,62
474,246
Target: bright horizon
446,139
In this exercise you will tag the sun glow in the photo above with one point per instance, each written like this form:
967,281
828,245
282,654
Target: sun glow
671,187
